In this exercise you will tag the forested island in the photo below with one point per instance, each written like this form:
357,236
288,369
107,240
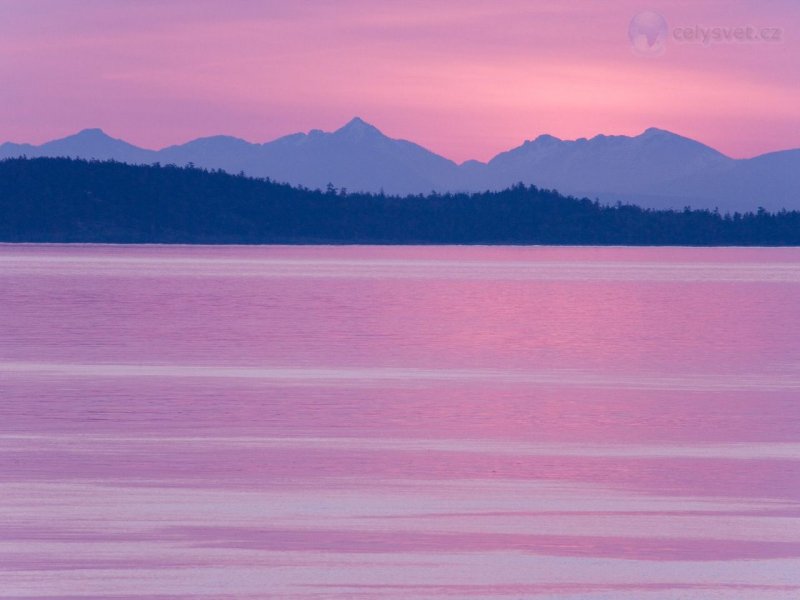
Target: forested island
68,200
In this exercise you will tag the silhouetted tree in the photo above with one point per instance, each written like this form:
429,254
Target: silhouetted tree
65,200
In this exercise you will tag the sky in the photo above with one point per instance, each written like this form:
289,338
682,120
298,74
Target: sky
464,78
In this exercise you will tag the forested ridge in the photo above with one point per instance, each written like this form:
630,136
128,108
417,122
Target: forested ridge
68,200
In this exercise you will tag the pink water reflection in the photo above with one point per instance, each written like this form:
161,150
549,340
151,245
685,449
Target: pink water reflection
399,422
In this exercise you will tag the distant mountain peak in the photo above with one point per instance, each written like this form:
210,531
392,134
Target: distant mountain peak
92,135
356,122
662,137
358,127
546,138
94,143
655,131
91,131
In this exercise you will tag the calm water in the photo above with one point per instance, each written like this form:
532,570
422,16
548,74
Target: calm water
415,423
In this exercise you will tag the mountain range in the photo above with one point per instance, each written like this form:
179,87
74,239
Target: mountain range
656,169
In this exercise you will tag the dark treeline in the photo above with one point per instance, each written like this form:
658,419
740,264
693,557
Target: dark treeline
64,200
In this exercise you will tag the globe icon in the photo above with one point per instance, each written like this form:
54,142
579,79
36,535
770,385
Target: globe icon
648,34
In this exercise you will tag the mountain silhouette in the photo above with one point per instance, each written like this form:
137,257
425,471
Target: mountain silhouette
656,169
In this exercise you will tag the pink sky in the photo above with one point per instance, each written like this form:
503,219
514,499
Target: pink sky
464,78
